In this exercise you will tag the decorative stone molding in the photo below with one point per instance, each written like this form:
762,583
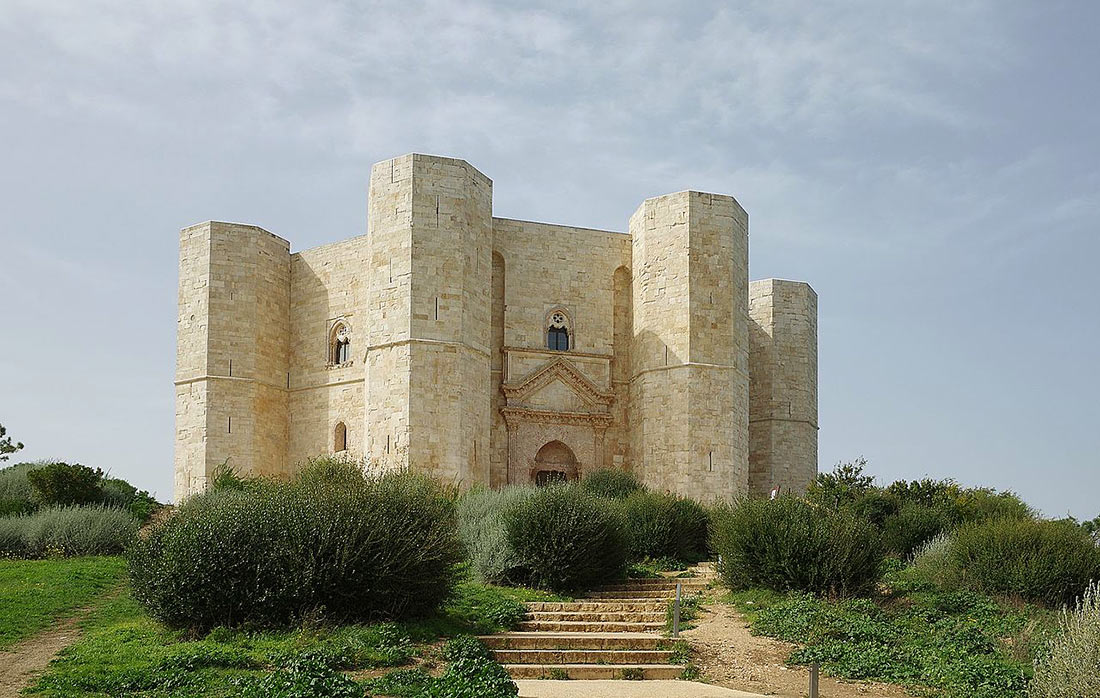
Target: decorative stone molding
514,416
565,371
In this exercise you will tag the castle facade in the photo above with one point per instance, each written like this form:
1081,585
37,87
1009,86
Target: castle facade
483,350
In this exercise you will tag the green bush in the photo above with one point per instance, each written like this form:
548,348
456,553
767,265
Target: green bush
16,494
789,544
930,563
913,526
611,483
347,548
1047,561
1071,668
67,532
61,484
665,526
302,678
121,494
566,539
481,528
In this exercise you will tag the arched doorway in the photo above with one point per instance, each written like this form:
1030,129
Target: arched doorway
554,462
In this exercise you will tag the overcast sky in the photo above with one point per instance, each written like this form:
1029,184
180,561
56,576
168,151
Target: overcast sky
931,168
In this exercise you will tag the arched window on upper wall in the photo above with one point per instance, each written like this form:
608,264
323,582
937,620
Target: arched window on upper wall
340,437
557,331
339,345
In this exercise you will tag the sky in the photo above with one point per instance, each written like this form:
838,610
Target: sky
931,168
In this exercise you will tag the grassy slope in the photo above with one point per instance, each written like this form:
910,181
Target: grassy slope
34,593
961,643
124,651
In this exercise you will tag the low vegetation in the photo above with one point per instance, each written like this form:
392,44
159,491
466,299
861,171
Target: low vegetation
963,644
1071,667
333,543
67,532
28,487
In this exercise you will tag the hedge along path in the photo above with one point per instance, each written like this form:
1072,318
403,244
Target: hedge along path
24,662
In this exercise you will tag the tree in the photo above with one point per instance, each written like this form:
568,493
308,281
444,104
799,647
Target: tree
843,486
6,445
61,484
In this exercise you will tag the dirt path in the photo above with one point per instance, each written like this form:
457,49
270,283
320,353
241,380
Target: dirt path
729,655
20,664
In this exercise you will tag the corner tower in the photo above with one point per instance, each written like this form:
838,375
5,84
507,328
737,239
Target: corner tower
783,394
689,359
232,353
430,276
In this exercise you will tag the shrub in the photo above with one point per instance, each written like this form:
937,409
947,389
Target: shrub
352,547
843,486
930,562
63,484
1071,669
481,528
16,494
665,526
566,539
121,494
789,544
67,532
1045,561
611,483
913,526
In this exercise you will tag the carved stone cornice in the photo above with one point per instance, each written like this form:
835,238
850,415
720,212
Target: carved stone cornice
513,416
554,370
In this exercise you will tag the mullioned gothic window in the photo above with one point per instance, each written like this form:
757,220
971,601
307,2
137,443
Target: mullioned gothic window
339,346
557,331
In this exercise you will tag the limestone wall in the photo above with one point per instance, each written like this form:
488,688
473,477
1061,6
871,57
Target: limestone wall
328,285
689,361
783,393
556,267
232,353
428,365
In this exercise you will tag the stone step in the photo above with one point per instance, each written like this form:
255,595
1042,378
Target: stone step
670,582
574,641
590,626
594,671
554,656
598,616
633,594
671,588
612,605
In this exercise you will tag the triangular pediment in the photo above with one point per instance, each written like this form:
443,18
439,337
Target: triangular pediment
559,385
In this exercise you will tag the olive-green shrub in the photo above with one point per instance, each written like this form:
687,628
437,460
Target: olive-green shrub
790,544
1047,561
1071,668
665,526
481,528
336,544
611,483
566,539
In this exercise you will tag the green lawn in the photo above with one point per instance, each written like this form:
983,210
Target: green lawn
35,593
124,651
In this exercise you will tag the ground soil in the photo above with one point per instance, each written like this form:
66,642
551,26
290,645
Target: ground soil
19,665
729,655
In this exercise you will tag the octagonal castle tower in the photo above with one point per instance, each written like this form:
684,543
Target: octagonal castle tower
483,350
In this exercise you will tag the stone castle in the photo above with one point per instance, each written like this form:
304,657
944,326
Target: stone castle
484,350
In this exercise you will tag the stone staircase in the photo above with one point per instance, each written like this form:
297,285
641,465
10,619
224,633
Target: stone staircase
615,632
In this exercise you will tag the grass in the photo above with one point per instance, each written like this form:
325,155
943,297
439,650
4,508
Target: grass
957,643
123,651
35,593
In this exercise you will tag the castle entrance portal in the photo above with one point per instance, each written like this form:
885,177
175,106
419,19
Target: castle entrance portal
554,462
